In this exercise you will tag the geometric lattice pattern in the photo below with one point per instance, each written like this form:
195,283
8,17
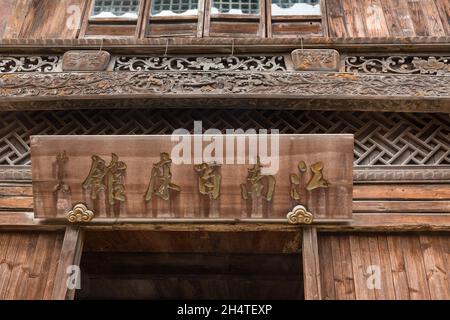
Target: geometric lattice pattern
381,138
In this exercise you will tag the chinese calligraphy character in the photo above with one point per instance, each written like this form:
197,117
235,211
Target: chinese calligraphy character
296,180
254,185
161,179
106,178
316,181
209,180
61,160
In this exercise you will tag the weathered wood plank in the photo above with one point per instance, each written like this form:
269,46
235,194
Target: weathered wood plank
433,18
347,268
374,19
70,255
414,266
326,270
378,259
338,276
311,265
401,206
360,263
399,275
418,17
402,192
436,270
16,202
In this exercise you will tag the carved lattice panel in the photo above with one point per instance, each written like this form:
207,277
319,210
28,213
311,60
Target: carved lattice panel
380,138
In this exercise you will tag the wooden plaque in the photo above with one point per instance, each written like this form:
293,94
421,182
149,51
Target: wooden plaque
130,177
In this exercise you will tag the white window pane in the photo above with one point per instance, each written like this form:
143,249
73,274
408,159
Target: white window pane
116,9
235,7
296,8
162,8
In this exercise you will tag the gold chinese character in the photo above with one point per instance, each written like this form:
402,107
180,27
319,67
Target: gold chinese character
296,180
209,180
316,181
254,185
106,178
161,179
61,160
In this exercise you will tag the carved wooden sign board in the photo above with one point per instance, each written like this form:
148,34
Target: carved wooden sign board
84,178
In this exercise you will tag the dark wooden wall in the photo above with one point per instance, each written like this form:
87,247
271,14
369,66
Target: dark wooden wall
346,18
413,266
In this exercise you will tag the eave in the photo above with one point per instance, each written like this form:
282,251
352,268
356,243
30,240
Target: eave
227,45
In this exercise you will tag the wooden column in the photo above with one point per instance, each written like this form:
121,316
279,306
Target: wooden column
311,267
72,248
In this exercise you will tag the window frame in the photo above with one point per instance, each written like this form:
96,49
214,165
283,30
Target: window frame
203,21
89,21
255,18
148,18
322,18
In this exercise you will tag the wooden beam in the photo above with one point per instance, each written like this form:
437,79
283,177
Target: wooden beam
415,92
211,45
311,267
70,255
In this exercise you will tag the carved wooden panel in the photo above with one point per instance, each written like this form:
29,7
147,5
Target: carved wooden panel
82,177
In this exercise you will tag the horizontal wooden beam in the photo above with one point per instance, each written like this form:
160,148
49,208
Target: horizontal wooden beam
291,90
395,222
224,45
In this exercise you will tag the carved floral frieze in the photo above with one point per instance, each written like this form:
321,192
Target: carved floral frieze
288,84
398,64
29,64
230,63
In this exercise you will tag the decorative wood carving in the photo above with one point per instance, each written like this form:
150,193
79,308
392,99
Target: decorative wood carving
316,60
229,84
80,213
414,145
29,64
300,215
84,60
140,152
438,65
213,63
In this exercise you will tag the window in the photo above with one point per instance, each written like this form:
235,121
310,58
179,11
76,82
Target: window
292,18
120,18
205,18
116,9
170,18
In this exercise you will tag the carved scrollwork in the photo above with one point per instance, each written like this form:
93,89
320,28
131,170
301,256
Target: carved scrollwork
79,214
245,84
398,64
232,63
29,64
300,215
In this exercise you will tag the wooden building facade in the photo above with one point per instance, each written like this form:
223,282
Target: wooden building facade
359,90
